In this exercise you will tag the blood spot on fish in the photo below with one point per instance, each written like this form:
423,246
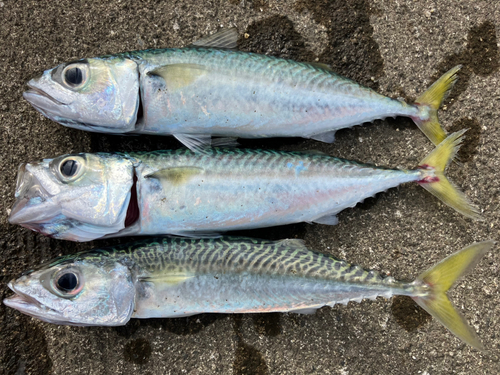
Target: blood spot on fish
469,148
137,351
352,51
267,324
408,314
480,56
248,360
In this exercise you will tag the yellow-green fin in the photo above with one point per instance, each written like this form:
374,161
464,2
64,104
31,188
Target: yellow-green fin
431,100
169,278
177,175
440,278
177,76
435,181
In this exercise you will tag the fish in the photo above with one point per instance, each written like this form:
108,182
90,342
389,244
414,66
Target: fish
179,277
211,89
86,196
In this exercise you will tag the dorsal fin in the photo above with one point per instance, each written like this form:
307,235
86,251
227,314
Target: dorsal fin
225,38
321,65
295,243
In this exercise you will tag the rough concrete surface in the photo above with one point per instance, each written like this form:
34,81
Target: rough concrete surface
397,47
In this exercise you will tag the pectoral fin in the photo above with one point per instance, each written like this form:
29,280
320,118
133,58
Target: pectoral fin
195,142
177,76
176,176
169,278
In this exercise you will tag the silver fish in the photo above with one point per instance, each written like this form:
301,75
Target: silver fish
209,89
172,277
87,196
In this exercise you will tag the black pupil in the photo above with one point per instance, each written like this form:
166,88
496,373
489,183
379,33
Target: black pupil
74,76
68,168
67,282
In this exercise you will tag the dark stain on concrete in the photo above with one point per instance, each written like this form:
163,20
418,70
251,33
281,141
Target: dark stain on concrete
472,137
267,324
368,203
480,56
408,314
248,360
179,326
137,351
351,50
275,36
26,348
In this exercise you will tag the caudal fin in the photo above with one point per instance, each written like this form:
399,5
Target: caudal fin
430,101
440,278
436,182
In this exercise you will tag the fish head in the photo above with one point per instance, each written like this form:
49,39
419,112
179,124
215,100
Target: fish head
77,197
76,291
99,94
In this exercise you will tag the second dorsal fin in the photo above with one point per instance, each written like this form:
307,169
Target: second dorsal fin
226,38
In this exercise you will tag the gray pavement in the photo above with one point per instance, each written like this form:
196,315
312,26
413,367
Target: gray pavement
397,47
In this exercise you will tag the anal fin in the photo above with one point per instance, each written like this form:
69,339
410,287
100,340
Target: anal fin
305,311
327,137
327,220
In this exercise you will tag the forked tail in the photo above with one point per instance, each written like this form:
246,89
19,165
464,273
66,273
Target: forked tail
435,181
440,278
429,103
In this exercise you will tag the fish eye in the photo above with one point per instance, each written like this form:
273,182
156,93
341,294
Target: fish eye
75,75
67,282
69,168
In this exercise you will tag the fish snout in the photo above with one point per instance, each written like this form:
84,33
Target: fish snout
32,200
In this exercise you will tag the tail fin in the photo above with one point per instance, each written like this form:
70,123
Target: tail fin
436,182
440,278
431,100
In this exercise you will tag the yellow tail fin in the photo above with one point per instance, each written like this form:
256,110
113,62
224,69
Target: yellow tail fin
440,278
436,182
430,101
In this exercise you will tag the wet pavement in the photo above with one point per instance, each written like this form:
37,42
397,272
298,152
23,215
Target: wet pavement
396,47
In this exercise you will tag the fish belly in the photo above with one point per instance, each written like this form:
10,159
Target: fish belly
248,293
245,95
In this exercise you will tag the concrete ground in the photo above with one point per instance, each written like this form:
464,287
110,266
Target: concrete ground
396,47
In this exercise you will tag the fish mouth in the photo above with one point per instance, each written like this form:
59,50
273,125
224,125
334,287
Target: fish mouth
33,203
39,98
32,307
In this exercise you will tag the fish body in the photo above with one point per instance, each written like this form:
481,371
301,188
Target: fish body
87,196
203,90
175,277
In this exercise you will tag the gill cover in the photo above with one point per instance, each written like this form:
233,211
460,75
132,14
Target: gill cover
80,292
98,94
